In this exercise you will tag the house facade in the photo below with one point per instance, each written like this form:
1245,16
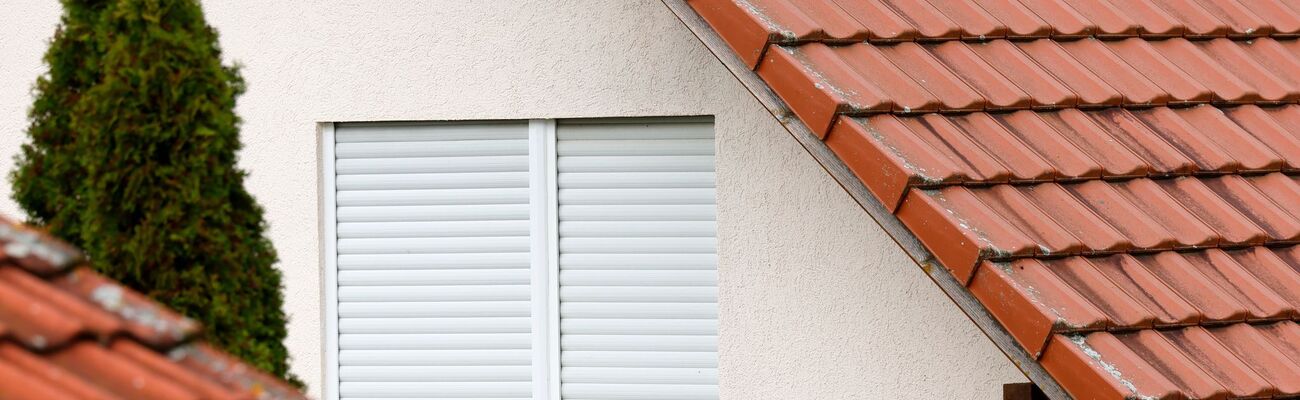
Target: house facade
813,300
570,199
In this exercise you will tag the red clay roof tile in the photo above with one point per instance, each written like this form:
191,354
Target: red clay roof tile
1238,17
1129,275
1078,369
1110,20
981,76
1127,218
1267,133
1255,351
881,22
67,332
1039,137
1034,318
1135,86
1122,311
1065,21
1019,20
1184,227
1088,137
1161,157
1020,213
1271,87
1271,271
950,92
929,22
1219,362
1116,181
974,21
1283,19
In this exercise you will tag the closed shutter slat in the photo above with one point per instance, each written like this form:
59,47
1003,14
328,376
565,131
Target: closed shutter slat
433,261
433,341
638,261
511,244
636,180
640,311
653,197
426,293
432,229
447,309
434,277
438,390
572,229
639,342
635,147
427,165
434,325
464,180
435,374
436,357
671,245
432,197
628,326
488,212
430,131
587,391
636,294
448,148
636,164
696,376
640,359
648,278
619,130
637,242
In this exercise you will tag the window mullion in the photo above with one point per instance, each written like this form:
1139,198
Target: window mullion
544,259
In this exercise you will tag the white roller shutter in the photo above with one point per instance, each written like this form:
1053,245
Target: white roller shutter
433,267
517,260
637,263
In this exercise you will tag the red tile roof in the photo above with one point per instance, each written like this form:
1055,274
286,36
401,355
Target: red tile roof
68,333
1118,182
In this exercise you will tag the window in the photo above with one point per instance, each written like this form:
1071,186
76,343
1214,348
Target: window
535,259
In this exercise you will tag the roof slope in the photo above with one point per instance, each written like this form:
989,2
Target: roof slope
1116,182
68,333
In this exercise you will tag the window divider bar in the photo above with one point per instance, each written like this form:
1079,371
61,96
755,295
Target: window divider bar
541,177
330,272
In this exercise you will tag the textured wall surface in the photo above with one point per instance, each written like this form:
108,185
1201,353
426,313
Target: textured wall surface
816,302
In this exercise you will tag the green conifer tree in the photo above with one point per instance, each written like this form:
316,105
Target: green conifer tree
160,202
47,174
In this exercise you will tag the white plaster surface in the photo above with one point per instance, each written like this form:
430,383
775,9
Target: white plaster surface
815,301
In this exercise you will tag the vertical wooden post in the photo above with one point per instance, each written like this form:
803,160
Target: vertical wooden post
1022,391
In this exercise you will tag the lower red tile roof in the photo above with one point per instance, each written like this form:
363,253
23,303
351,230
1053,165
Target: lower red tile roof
68,333
1116,182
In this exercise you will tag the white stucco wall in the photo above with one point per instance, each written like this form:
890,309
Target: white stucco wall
816,302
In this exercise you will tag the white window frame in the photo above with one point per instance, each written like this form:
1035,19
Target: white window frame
544,263
330,254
